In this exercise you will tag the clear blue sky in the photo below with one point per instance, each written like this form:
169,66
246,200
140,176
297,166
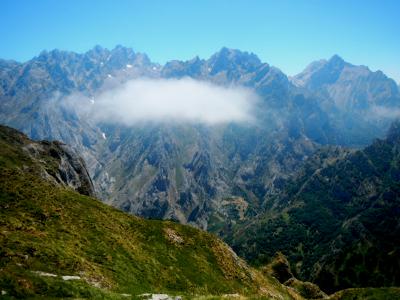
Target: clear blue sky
287,34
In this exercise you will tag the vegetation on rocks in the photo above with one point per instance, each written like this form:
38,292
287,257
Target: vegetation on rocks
337,221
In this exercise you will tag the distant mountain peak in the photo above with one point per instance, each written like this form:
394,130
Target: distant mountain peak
98,48
98,51
225,51
54,54
335,64
233,54
195,60
227,59
122,49
336,59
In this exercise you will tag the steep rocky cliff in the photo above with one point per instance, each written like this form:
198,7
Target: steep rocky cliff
53,161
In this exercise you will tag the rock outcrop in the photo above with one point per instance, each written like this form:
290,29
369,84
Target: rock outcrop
54,161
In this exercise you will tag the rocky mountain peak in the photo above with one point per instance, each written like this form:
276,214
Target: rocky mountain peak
350,88
98,49
195,60
120,55
320,72
54,55
227,59
177,68
98,52
336,60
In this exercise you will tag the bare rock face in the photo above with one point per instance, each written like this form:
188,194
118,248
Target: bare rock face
54,161
72,171
69,168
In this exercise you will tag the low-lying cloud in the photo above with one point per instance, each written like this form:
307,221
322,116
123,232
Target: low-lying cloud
165,100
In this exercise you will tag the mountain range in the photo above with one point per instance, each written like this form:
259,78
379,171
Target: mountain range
185,172
249,181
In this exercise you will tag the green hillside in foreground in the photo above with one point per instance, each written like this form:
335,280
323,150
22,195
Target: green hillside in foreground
48,231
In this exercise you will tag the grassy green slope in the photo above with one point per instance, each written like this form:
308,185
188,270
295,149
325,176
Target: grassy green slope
47,228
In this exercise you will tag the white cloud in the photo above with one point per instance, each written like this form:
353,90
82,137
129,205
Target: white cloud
168,100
